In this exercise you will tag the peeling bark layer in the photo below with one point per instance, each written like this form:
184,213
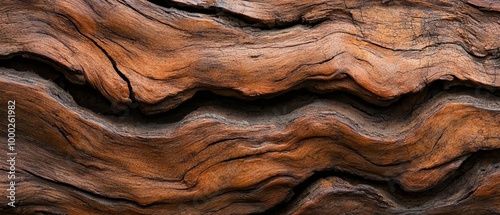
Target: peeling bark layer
247,107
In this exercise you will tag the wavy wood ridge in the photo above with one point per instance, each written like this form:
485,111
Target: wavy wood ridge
170,50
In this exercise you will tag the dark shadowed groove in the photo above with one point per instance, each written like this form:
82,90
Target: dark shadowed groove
83,94
241,20
282,104
397,194
89,194
45,67
403,198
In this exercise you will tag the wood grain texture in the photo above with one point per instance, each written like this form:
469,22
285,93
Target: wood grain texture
248,107
167,54
471,193
216,154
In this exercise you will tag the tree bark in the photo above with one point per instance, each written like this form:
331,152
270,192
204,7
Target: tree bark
248,107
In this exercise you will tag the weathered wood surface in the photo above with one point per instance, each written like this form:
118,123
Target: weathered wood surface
167,54
314,107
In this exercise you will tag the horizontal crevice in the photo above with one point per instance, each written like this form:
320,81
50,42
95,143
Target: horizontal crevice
42,66
240,20
282,104
83,94
475,165
91,195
